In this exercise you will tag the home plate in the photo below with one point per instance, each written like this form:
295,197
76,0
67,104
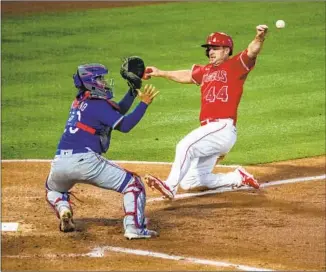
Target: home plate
9,226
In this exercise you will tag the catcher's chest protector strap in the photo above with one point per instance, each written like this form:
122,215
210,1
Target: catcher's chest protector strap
88,95
105,132
86,128
91,130
113,105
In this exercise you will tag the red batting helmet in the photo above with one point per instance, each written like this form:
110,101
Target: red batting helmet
219,39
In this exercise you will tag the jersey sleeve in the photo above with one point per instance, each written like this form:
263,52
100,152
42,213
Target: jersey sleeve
197,73
242,63
108,115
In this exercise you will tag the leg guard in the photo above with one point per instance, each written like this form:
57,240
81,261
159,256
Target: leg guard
134,201
58,201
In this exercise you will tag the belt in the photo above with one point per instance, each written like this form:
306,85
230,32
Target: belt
66,152
211,120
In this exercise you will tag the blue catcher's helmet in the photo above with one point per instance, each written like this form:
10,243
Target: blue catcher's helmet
91,77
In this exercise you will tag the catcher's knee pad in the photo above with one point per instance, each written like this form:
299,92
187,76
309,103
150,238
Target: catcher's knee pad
134,201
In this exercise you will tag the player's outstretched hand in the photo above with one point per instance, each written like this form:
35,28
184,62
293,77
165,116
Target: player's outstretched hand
148,95
261,31
152,71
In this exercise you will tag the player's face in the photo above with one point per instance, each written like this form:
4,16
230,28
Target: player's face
217,54
106,84
101,80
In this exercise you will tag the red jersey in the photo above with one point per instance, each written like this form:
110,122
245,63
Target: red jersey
222,86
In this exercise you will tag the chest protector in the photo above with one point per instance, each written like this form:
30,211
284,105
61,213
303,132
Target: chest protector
105,132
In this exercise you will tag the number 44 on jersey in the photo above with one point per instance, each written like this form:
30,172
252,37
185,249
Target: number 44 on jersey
213,94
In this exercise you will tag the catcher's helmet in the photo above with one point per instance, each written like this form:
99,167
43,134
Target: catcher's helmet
219,39
91,77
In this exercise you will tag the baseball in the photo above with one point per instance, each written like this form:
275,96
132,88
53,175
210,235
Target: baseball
146,76
280,24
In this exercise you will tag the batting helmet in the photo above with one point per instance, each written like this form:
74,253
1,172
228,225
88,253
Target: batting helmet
87,78
219,39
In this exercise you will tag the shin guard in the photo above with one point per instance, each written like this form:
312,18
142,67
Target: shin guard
134,201
58,200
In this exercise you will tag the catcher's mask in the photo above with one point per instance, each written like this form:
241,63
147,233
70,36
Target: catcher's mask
218,39
92,77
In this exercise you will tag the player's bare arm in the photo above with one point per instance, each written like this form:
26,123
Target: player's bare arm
256,45
180,76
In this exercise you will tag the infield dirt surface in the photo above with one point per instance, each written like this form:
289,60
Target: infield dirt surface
280,227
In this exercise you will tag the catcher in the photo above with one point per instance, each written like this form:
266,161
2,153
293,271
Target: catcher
92,118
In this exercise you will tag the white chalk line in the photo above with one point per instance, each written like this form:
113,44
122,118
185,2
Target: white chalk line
230,189
117,162
99,252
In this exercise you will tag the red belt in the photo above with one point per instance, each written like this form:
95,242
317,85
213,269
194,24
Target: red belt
210,120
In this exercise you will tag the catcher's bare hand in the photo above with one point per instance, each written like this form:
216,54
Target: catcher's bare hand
148,95
261,31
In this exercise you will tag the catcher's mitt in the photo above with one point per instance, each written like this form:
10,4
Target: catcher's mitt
132,70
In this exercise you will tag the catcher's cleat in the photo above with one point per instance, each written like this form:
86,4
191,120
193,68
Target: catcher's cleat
66,221
144,233
248,179
146,222
156,183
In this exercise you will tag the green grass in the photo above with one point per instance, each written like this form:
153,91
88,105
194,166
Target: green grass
282,113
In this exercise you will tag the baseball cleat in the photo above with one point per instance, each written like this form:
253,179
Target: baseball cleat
156,183
66,221
133,233
248,179
146,222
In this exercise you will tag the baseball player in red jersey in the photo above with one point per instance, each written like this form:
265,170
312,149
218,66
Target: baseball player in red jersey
221,83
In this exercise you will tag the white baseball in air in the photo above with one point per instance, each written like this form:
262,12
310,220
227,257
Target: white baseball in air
280,24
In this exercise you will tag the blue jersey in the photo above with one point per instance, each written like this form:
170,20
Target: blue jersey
98,114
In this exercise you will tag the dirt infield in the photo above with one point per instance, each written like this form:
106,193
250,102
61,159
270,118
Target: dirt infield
280,227
29,7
